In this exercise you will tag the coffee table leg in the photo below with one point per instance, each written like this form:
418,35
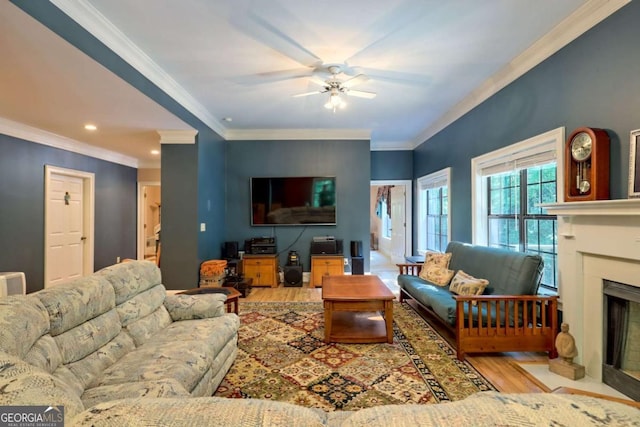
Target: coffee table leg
328,315
388,318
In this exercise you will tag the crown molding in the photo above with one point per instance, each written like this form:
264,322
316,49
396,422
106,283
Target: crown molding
392,146
170,136
576,24
39,136
292,134
87,16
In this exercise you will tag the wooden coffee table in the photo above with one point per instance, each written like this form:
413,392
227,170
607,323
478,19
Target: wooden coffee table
357,309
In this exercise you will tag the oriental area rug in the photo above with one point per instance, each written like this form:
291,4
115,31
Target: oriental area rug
282,357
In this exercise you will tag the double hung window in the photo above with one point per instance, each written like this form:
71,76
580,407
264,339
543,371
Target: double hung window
509,186
433,211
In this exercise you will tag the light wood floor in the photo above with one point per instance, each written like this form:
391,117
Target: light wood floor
500,369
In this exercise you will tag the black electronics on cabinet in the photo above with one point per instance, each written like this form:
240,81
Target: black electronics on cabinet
230,250
357,265
292,275
327,247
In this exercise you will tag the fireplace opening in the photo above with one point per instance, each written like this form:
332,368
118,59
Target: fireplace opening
621,365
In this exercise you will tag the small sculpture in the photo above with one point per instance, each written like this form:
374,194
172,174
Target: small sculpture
566,345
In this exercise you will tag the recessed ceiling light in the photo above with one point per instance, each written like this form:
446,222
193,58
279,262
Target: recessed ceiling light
155,152
90,126
228,119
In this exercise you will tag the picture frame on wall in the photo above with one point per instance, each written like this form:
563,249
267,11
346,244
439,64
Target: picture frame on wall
634,164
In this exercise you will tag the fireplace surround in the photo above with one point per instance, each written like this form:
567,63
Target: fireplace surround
598,241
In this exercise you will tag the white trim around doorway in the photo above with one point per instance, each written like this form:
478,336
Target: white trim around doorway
408,209
88,212
141,207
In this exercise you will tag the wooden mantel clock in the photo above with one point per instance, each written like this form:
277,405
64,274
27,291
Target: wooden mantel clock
586,165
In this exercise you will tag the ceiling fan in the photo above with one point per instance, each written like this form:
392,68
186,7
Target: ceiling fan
334,87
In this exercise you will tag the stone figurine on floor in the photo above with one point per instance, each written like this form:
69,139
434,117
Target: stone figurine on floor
566,347
565,344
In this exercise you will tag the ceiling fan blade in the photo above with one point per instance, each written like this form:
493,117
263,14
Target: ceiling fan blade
360,94
395,76
308,93
266,23
318,81
273,76
359,79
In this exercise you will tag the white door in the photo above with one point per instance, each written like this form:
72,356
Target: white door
64,228
398,224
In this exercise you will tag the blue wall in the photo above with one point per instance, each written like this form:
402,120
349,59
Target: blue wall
211,193
22,206
182,247
594,81
391,165
348,161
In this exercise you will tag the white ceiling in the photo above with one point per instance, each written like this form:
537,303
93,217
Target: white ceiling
429,61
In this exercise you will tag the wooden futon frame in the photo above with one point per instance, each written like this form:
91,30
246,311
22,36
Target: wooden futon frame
527,322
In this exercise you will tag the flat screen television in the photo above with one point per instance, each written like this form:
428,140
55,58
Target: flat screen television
300,200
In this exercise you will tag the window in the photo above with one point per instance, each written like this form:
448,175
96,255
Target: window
386,219
433,211
508,187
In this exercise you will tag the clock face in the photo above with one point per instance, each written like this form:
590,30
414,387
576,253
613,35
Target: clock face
581,146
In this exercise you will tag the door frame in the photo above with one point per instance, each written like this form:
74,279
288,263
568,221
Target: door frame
88,216
141,208
408,209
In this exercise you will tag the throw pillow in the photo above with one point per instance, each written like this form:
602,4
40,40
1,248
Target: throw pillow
465,284
437,275
434,259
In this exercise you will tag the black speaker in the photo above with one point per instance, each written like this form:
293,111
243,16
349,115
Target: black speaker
324,247
292,275
230,250
357,265
356,248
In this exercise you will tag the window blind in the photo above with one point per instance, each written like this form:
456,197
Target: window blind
517,161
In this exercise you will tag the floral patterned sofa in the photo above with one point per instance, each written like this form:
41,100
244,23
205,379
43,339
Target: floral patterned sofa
114,349
25,384
116,334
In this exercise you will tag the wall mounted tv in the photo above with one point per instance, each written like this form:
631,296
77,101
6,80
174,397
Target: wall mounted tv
300,200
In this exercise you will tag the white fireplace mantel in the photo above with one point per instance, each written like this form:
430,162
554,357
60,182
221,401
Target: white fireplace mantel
597,241
598,207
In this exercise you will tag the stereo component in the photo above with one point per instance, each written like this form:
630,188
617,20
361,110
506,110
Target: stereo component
357,265
292,275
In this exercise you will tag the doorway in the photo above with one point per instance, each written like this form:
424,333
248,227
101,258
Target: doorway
391,231
391,237
69,224
149,220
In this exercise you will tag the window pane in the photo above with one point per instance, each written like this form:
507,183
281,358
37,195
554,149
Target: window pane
525,228
503,233
437,219
445,201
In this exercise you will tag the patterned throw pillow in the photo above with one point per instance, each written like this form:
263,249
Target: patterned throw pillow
465,284
434,259
437,275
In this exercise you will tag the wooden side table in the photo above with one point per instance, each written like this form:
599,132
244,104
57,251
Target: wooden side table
231,293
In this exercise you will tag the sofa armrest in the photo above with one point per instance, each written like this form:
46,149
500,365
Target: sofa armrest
201,306
506,323
410,269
